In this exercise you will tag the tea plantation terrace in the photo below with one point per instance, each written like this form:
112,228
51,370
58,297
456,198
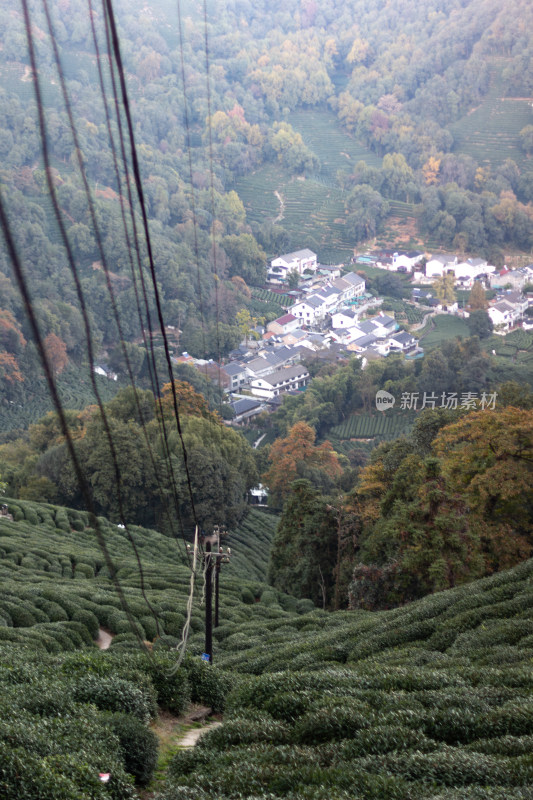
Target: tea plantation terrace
431,700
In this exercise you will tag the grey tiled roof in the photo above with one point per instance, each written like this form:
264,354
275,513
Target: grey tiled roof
244,405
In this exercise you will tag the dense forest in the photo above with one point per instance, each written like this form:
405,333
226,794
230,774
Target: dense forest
212,102
374,526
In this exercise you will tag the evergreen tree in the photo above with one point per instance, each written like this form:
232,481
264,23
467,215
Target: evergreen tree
304,550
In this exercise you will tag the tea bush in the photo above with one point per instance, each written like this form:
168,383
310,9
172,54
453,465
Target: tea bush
431,701
139,746
116,694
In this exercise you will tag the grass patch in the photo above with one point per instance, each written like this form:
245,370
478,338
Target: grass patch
444,327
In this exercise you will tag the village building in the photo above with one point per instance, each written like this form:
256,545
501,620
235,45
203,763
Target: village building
309,310
283,325
515,278
329,270
245,408
349,286
258,495
299,262
403,342
440,264
503,316
285,379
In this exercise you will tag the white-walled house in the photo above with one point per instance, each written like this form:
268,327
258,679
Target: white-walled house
384,324
402,342
508,310
472,268
283,380
343,319
439,264
331,298
299,262
349,286
516,278
503,315
309,310
331,271
406,260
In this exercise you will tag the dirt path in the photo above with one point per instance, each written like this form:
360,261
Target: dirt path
104,639
419,325
190,738
281,202
174,733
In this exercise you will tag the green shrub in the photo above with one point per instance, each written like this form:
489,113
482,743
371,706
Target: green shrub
304,606
59,633
173,623
188,760
22,733
139,746
77,632
384,739
83,571
53,611
75,520
150,627
116,694
288,706
62,521
197,625
46,699
504,746
125,641
329,723
20,616
18,514
31,516
247,596
453,767
166,642
172,686
88,620
26,777
208,684
262,728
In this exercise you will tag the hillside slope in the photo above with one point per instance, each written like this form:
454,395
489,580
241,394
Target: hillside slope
431,700
50,557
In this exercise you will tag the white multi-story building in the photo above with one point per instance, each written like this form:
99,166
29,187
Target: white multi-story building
283,380
439,264
300,261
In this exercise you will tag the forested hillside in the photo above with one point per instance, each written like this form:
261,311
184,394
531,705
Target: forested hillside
356,114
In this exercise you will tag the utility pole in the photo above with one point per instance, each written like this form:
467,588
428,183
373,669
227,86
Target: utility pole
221,557
217,579
208,602
213,556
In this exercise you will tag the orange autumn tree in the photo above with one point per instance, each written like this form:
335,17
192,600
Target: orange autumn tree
56,351
12,342
297,456
190,402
